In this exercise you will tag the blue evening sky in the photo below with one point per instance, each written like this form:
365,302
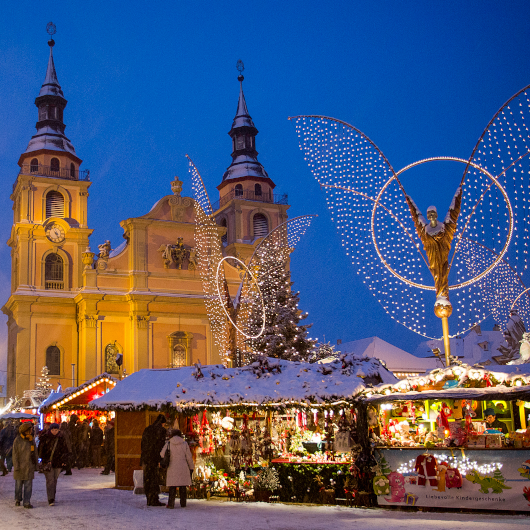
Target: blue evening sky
148,82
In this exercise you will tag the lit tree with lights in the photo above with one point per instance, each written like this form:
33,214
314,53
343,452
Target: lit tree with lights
43,385
284,337
323,350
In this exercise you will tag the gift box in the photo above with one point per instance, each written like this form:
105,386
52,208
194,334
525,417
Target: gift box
411,499
476,440
493,441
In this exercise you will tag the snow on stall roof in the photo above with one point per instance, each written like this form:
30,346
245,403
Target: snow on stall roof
264,382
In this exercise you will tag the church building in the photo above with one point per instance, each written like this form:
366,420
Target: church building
78,311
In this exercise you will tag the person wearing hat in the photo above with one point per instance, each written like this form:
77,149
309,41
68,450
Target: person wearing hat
24,464
492,422
52,450
153,439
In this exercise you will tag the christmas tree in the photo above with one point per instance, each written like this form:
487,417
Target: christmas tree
284,337
43,385
323,350
498,475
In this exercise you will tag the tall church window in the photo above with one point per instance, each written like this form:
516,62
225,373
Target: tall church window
239,190
261,225
240,142
53,360
180,349
257,190
54,204
34,166
54,272
72,170
54,165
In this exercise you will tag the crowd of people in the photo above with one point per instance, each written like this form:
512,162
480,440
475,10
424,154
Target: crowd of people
25,450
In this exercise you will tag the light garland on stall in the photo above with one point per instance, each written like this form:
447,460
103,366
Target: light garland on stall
82,390
463,464
465,375
354,172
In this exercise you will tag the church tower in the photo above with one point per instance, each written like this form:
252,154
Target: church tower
247,207
48,237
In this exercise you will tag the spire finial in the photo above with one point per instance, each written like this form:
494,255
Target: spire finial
51,30
240,67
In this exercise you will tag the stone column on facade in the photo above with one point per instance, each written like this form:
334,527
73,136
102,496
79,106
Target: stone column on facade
87,328
25,240
22,346
139,332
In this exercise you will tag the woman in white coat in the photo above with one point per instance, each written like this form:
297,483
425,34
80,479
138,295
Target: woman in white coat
180,467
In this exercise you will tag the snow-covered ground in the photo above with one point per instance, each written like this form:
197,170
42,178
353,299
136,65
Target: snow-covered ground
87,500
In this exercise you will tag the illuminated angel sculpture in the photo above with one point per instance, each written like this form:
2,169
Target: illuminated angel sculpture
477,254
236,322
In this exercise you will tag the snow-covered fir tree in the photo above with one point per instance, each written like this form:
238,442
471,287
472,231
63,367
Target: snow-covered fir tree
43,385
323,350
284,337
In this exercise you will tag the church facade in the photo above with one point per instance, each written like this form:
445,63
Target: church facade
81,312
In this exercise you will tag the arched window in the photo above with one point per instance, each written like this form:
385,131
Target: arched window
54,204
179,356
239,190
54,165
224,237
54,272
257,190
261,225
34,166
53,360
72,170
111,352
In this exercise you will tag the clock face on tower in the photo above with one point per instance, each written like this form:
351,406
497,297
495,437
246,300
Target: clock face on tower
55,233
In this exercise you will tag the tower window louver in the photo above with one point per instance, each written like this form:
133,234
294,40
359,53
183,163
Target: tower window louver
54,204
261,226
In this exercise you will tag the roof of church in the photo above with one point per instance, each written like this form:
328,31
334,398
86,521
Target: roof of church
244,161
50,132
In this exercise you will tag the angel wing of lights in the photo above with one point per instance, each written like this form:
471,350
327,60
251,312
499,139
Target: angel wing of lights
367,203
233,321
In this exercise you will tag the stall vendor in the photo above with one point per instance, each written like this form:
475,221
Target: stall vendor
492,422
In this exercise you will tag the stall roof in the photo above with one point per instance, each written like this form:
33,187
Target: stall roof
19,416
265,382
57,397
459,381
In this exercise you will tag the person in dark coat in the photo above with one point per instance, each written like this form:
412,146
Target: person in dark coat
24,464
108,447
83,439
7,438
153,439
53,448
96,441
66,435
74,434
2,455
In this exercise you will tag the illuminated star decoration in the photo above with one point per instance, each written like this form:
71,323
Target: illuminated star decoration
367,203
233,321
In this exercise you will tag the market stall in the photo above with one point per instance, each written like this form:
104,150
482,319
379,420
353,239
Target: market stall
59,406
249,427
455,438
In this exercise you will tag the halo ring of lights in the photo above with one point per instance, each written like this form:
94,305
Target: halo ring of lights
437,159
518,297
262,330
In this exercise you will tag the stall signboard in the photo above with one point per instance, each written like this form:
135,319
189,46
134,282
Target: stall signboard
456,478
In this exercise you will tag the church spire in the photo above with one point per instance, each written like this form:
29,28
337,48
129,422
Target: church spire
243,133
51,103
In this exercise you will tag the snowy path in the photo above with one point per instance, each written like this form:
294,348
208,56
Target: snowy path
87,500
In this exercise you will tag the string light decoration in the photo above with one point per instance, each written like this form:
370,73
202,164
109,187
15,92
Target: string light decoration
463,464
235,323
367,203
84,389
